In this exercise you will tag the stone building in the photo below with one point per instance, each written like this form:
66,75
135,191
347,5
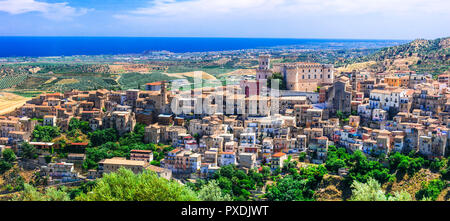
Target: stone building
340,96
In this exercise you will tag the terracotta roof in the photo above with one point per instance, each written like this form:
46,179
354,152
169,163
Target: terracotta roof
279,154
175,151
154,83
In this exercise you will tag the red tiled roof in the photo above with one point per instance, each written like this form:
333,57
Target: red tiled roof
154,83
55,94
279,154
174,151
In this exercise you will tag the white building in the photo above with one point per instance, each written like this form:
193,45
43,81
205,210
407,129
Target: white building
227,158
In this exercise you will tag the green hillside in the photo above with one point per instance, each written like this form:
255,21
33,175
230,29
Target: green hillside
422,56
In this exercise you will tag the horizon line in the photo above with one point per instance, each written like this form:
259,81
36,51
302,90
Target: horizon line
218,37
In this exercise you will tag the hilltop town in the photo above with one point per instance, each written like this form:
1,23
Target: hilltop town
318,121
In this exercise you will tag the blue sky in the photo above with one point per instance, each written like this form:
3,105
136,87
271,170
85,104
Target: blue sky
356,19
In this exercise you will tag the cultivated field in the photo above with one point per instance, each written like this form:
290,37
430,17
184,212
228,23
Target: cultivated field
357,66
239,72
205,76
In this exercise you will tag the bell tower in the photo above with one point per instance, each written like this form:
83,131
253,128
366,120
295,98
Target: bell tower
263,71
264,62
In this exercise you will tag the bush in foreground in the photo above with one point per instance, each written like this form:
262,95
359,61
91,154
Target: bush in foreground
124,185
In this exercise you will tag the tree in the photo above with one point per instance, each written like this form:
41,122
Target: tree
372,191
4,166
45,133
437,164
100,137
124,185
94,155
30,193
265,171
237,183
403,163
302,156
76,124
281,82
340,115
289,166
28,151
288,189
212,192
83,188
362,169
9,156
431,189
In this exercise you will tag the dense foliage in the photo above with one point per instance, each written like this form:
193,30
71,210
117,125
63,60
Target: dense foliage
431,190
76,124
212,192
107,144
8,155
372,191
336,159
360,168
100,137
237,183
45,133
6,160
281,81
30,193
406,164
28,151
297,186
124,185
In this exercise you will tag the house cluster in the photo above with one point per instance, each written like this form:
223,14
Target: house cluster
101,108
400,111
377,113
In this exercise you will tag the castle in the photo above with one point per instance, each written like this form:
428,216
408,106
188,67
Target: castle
298,76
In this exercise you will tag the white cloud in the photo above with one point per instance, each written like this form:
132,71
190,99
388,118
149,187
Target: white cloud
291,18
54,11
217,8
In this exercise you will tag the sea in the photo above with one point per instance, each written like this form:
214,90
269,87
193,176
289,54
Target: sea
18,46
